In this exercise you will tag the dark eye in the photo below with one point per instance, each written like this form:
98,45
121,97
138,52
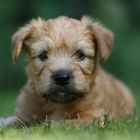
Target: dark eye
43,56
80,55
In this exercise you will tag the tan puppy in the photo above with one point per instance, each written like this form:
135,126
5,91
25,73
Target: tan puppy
65,81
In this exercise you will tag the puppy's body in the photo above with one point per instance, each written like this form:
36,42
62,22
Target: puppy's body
107,96
65,80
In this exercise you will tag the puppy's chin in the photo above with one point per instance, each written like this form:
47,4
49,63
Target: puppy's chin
64,96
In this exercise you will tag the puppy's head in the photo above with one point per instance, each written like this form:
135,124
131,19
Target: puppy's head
62,55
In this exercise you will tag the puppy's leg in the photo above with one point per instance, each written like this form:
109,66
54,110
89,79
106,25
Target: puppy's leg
11,121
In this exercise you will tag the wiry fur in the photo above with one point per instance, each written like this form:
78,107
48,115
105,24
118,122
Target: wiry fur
61,37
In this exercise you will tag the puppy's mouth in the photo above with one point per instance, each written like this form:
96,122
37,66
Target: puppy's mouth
63,96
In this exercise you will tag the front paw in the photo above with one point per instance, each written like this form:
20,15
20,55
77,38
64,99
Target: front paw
1,122
12,121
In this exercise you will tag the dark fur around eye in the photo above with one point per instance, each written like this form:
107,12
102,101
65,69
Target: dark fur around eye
43,56
80,55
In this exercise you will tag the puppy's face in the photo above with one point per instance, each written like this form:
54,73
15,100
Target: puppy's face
62,55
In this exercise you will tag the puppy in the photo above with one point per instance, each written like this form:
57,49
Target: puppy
65,80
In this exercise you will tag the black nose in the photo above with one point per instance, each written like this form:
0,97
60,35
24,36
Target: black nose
62,77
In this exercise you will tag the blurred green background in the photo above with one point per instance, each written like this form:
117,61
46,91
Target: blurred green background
122,17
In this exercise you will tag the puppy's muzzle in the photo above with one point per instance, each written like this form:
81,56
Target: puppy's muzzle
62,77
62,88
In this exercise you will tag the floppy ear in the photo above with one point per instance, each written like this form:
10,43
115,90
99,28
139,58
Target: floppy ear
20,38
18,41
102,36
103,39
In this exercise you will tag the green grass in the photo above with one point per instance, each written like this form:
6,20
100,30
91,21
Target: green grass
112,131
121,130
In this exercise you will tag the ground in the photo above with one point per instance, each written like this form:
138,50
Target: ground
121,130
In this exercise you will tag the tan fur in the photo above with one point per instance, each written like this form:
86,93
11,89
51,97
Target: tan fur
61,37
